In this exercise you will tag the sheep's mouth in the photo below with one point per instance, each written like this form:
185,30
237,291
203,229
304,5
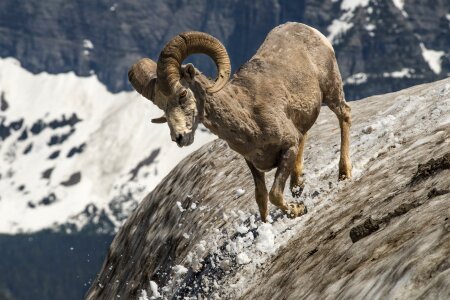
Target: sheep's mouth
185,139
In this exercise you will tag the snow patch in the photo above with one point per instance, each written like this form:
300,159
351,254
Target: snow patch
265,242
358,78
180,207
337,29
405,72
143,295
87,44
400,5
433,58
239,192
154,289
370,27
179,270
353,4
243,259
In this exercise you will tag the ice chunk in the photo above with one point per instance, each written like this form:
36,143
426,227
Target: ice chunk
180,206
265,242
154,289
242,258
179,270
239,192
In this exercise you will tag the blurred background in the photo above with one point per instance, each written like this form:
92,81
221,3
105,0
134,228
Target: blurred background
77,149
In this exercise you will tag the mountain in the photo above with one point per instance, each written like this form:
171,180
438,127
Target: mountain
73,156
383,234
381,46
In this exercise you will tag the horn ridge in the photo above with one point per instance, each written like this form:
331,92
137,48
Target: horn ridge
185,44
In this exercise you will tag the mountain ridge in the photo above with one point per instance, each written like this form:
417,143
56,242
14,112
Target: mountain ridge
381,46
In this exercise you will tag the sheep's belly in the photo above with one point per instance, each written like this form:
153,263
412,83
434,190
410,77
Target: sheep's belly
265,160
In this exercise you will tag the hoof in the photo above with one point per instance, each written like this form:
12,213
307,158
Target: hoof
296,209
345,173
344,177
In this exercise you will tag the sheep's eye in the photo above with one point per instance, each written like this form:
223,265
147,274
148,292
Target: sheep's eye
183,94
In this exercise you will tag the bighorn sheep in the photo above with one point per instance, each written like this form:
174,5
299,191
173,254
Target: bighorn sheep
263,113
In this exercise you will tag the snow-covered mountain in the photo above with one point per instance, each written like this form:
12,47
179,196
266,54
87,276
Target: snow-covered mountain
381,45
73,156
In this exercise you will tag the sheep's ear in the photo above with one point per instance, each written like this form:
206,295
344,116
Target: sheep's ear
188,72
160,120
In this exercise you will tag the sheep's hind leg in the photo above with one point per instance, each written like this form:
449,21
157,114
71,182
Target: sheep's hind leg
343,113
297,182
261,195
276,193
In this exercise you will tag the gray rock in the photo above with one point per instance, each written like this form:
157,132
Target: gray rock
385,234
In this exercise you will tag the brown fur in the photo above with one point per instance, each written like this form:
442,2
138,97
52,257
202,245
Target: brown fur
267,108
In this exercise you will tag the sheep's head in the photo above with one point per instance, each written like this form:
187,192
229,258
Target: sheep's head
168,84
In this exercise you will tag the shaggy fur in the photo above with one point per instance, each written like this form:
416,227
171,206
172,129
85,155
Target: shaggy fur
267,108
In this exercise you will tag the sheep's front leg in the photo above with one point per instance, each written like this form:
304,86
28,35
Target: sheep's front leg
297,181
276,197
261,195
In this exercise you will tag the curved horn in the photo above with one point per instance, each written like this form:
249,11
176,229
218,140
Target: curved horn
140,76
183,45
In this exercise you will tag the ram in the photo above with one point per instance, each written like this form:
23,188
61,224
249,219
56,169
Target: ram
264,112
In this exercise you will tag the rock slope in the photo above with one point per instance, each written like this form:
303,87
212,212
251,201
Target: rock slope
385,234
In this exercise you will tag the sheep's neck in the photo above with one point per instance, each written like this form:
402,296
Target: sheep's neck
228,115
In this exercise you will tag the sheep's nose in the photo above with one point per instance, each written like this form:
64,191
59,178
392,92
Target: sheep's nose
179,138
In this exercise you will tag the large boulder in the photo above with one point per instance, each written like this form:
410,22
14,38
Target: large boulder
384,234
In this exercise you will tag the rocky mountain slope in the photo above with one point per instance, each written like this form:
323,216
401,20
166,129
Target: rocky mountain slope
384,234
381,46
73,156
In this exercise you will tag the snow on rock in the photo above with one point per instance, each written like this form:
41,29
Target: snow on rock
180,206
179,270
341,25
265,242
154,289
353,4
433,58
404,72
88,44
143,295
357,78
71,153
400,5
242,258
315,253
240,192
360,78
